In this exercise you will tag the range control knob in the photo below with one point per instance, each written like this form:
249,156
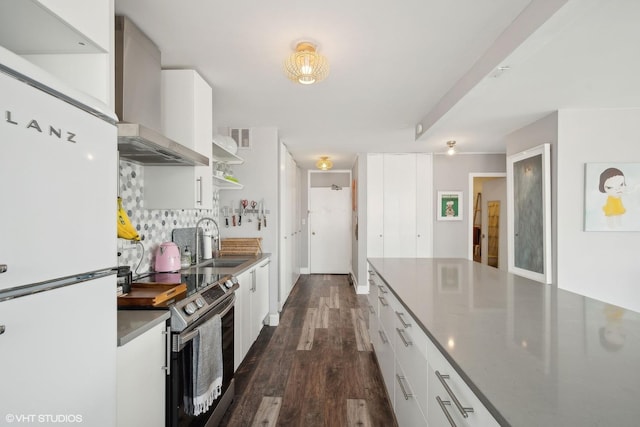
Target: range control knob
199,302
228,284
234,279
190,308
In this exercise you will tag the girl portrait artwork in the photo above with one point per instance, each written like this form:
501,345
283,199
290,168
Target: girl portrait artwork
611,199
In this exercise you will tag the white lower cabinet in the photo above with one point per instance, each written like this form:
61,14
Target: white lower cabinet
141,379
447,390
411,355
408,412
242,319
409,361
251,308
260,300
386,359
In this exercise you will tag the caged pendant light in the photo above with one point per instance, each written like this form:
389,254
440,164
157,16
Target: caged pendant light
452,148
305,65
324,163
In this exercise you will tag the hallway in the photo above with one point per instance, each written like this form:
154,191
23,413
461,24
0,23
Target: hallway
316,368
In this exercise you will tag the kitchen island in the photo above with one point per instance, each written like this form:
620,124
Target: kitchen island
533,354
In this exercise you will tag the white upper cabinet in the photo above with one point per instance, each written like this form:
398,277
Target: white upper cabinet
424,205
187,118
399,205
71,39
375,204
399,209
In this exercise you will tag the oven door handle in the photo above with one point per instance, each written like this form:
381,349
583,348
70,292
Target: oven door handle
182,339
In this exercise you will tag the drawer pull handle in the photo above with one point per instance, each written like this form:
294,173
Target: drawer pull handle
382,289
371,309
383,337
383,301
442,404
372,282
401,317
2,329
3,268
407,342
407,394
462,410
372,273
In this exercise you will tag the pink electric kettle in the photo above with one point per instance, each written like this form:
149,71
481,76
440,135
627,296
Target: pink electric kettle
167,258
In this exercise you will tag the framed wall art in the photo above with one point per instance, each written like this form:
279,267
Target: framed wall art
611,197
449,206
529,213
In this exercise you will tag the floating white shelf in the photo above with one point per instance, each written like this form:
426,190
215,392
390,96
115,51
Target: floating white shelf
225,184
221,154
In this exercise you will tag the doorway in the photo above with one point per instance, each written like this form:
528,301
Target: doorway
488,225
330,222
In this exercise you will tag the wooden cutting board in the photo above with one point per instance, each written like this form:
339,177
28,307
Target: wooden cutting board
151,294
241,246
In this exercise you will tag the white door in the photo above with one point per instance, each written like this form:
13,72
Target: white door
330,229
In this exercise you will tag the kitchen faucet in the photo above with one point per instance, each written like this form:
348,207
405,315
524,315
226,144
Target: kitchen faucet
198,236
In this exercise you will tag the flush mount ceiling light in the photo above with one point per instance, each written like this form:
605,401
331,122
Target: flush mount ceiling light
324,163
452,148
305,65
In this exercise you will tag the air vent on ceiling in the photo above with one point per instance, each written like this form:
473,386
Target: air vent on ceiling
241,136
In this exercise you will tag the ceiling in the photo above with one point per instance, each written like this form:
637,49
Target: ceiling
397,64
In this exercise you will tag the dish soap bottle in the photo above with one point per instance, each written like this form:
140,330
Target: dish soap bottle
185,259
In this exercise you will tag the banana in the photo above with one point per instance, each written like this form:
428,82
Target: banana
125,229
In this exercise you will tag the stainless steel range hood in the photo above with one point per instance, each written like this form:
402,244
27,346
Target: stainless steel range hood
138,103
145,146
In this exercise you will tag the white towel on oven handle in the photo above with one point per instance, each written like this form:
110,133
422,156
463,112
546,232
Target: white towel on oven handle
204,382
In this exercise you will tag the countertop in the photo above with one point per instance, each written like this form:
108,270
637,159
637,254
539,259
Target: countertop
133,323
534,354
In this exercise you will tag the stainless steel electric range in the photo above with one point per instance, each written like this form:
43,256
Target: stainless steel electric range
207,295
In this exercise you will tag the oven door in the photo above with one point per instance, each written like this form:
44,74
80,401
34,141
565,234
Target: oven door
181,353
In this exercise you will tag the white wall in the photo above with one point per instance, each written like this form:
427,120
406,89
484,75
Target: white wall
601,265
259,175
451,239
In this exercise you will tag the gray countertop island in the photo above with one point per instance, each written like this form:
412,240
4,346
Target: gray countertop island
534,354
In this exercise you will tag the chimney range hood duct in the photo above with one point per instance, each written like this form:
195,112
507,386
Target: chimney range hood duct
138,103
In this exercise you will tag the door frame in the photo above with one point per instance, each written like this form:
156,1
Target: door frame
309,173
470,205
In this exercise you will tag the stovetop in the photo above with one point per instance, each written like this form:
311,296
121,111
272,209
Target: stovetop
195,282
204,292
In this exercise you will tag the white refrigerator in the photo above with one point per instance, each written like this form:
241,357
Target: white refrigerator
58,186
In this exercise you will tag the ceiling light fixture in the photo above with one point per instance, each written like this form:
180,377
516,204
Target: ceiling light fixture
324,163
452,148
305,65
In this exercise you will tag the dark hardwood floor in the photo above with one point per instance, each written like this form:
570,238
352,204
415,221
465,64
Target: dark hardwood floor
316,368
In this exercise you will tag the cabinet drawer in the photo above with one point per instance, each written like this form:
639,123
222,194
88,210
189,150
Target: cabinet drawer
387,314
442,400
410,351
373,292
386,359
373,324
407,409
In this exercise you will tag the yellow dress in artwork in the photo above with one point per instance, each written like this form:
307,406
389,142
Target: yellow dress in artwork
613,206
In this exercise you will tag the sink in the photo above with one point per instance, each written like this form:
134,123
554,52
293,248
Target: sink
221,262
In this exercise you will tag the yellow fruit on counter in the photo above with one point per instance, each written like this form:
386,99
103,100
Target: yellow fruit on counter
125,229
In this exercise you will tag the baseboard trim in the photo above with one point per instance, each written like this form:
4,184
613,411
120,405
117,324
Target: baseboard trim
274,319
361,290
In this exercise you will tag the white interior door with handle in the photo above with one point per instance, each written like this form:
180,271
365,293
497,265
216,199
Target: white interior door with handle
330,230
